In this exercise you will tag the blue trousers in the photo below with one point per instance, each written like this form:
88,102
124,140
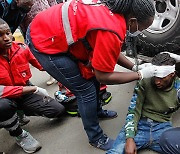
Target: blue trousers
65,70
170,141
147,137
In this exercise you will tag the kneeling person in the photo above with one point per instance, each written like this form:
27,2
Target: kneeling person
16,92
152,104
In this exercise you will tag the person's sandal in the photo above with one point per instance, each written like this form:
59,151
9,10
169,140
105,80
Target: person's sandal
50,81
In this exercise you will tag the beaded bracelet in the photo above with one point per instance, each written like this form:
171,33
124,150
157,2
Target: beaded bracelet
139,75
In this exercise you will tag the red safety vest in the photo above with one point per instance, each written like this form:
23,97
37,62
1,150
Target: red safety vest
55,29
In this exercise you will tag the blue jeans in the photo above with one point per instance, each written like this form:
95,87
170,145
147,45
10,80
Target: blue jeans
147,137
65,70
170,141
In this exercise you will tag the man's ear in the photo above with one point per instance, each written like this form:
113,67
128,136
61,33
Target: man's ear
173,74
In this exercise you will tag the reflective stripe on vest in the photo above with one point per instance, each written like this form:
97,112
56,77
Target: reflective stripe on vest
66,24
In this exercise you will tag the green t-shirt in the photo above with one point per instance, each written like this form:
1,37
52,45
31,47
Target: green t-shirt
148,101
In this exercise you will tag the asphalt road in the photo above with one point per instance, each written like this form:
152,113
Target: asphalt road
66,135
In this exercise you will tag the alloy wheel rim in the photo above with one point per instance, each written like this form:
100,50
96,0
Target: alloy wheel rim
166,14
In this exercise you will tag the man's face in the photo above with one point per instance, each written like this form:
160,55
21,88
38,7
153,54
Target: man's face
5,37
24,5
163,83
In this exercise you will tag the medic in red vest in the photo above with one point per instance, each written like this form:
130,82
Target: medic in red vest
79,43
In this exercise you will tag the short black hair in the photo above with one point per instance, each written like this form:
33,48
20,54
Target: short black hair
2,21
142,10
163,59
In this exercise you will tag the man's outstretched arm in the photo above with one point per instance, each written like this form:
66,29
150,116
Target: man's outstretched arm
133,116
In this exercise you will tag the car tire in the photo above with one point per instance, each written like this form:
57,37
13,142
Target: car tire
166,35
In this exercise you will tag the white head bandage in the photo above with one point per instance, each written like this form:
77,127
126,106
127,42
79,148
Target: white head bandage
163,71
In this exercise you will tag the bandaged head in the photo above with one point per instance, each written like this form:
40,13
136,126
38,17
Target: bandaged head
163,71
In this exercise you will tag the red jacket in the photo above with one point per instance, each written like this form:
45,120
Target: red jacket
48,28
62,27
15,72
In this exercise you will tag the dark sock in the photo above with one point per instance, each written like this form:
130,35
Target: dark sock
16,132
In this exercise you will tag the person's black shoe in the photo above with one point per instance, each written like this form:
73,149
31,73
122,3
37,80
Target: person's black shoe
62,98
104,97
72,110
104,143
69,102
107,114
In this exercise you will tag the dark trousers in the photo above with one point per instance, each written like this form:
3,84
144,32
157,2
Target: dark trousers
32,105
170,141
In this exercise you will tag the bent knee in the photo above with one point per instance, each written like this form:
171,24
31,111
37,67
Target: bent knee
7,109
7,105
55,112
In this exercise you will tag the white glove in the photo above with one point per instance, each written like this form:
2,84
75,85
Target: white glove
41,91
140,67
175,56
148,72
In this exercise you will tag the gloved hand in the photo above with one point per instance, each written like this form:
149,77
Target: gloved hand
148,72
41,91
175,56
140,67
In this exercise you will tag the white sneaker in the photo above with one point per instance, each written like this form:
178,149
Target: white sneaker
27,142
50,81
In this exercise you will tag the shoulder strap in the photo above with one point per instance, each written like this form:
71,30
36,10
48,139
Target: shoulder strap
66,24
86,44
